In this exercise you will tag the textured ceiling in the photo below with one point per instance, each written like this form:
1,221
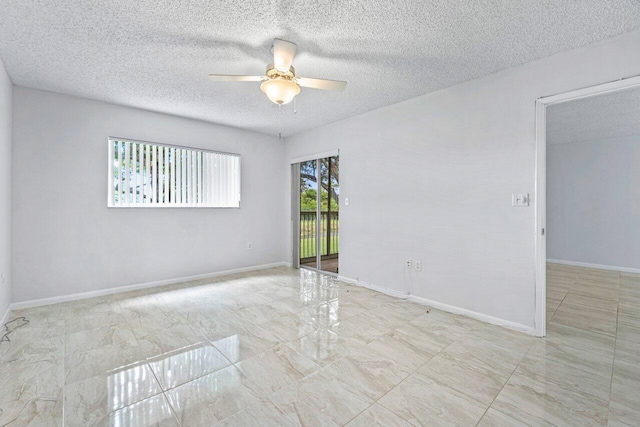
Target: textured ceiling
157,54
596,118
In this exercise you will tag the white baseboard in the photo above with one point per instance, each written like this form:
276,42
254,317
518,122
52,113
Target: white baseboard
598,266
109,291
474,315
444,307
5,317
387,291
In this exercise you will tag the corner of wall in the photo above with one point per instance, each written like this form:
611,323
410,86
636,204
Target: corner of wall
6,125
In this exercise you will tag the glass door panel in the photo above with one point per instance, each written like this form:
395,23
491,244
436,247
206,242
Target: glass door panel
308,213
329,206
319,223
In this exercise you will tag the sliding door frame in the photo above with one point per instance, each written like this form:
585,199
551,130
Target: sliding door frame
295,214
295,209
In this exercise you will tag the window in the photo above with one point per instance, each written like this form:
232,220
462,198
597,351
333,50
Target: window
144,174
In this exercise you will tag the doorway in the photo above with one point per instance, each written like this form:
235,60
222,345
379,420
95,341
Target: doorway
542,310
317,202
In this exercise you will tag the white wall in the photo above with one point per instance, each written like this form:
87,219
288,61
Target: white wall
67,241
6,90
593,202
431,179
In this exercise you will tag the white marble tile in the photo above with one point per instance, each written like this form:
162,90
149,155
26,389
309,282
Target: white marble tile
473,367
533,402
580,338
295,303
276,369
323,346
493,418
430,339
90,339
399,348
89,401
239,347
424,402
360,329
594,361
170,339
320,399
187,364
285,329
321,357
378,416
42,410
212,398
588,318
264,414
628,332
567,376
368,372
154,411
81,365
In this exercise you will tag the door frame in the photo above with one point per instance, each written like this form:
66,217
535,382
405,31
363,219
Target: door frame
540,326
295,209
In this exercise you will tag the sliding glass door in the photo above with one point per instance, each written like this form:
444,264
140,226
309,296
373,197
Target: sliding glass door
308,214
319,224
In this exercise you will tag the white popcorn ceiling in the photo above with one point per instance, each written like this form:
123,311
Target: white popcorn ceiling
596,118
157,55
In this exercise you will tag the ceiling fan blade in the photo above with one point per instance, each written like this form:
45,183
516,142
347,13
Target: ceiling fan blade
283,52
321,84
226,78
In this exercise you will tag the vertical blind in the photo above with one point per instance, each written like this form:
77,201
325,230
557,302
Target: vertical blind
143,174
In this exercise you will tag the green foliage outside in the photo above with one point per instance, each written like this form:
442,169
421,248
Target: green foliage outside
308,201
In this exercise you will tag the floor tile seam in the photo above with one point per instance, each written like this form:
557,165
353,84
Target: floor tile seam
64,378
111,411
501,412
191,380
264,396
607,316
164,395
378,400
613,364
413,370
174,413
590,306
506,382
581,347
562,301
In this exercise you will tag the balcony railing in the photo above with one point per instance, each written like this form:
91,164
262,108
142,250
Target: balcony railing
329,226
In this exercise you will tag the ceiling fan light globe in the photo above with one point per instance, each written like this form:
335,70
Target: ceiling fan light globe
280,91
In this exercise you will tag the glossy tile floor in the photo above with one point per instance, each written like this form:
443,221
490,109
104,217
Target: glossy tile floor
287,347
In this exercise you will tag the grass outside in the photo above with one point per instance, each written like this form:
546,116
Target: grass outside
308,246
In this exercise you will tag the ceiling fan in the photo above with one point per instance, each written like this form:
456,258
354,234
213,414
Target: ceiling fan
281,84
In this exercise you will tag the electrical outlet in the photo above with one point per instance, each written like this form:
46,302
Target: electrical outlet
2,279
408,264
418,265
249,246
520,200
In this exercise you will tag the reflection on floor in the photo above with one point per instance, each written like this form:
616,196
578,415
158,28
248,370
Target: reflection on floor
291,347
328,265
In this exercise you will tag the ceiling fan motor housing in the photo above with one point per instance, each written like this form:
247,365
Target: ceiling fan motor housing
274,73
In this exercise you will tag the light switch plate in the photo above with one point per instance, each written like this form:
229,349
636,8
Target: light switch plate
346,201
520,200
